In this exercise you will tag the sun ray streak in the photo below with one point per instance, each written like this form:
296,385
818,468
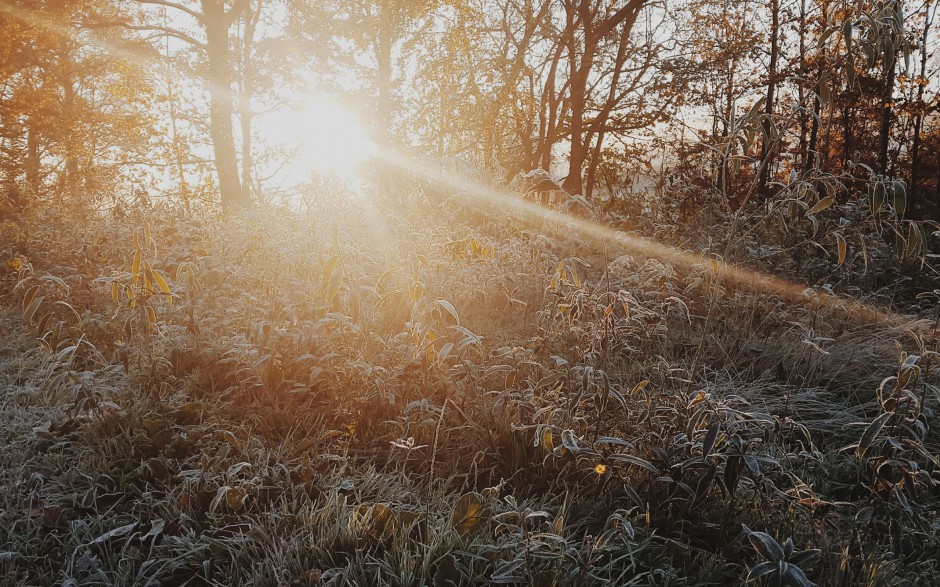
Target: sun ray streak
599,234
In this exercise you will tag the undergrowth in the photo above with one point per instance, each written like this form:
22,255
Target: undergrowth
355,398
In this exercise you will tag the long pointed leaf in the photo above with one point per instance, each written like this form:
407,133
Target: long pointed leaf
870,433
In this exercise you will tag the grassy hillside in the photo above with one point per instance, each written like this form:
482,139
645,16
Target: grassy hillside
358,398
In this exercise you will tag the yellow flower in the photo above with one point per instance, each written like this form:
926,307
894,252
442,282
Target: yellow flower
600,468
15,264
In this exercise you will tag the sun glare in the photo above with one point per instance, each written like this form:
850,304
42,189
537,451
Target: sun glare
331,139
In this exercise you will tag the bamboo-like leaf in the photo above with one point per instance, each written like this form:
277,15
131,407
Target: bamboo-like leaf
878,197
890,52
509,572
445,351
335,284
824,93
899,197
870,433
217,500
840,242
115,292
135,268
66,352
850,69
328,268
804,556
43,323
30,296
794,575
637,461
765,544
158,279
825,37
821,205
762,569
913,241
115,533
611,440
30,311
905,504
756,108
474,338
710,437
58,281
450,309
416,291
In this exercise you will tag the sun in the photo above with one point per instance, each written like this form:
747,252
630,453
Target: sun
330,138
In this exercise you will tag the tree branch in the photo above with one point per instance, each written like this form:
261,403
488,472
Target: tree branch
235,11
629,11
197,15
168,32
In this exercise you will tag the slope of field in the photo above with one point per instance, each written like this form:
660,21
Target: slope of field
363,399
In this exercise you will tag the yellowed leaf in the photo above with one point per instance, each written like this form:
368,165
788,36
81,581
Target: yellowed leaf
547,440
822,205
161,283
135,268
468,513
840,241
235,498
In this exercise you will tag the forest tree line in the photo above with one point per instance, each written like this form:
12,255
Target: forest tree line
733,98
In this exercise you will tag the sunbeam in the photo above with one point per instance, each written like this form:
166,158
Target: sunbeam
601,235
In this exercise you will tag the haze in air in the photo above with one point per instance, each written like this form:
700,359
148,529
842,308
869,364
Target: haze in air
469,292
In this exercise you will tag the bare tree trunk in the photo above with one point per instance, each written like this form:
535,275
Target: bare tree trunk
724,168
549,107
887,105
812,146
602,118
581,15
919,120
766,154
246,89
577,76
801,88
221,104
